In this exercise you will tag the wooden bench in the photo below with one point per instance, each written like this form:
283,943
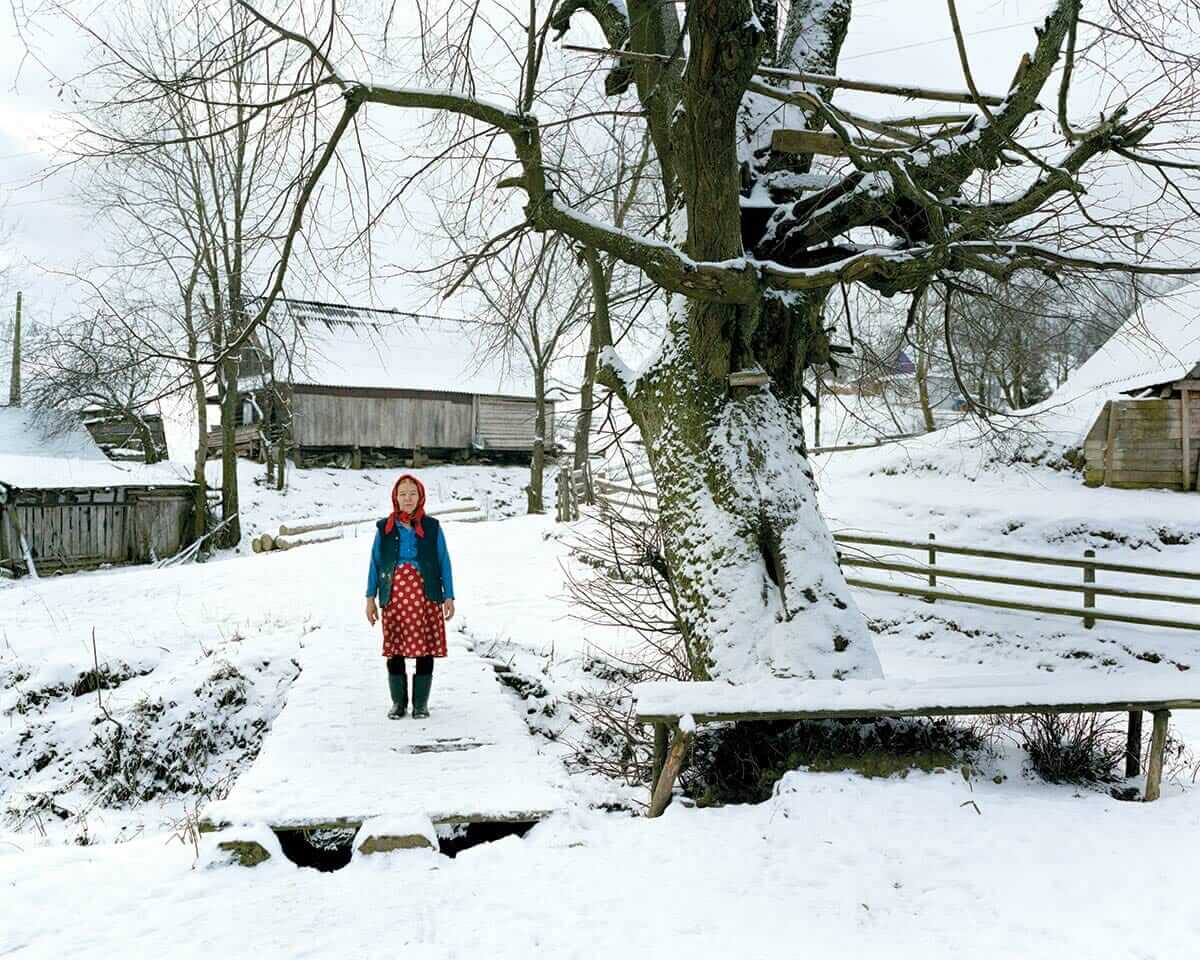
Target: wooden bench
676,708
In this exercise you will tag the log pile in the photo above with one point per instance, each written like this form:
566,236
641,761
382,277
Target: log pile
292,535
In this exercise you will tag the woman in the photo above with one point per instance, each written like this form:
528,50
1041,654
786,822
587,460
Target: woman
409,579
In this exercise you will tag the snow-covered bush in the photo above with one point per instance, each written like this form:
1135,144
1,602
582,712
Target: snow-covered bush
121,735
627,587
1071,747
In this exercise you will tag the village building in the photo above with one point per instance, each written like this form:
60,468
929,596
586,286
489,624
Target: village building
353,386
65,506
121,437
1147,432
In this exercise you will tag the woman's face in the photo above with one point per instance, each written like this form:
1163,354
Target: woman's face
407,496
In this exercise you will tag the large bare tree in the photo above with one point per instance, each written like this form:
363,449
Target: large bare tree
758,235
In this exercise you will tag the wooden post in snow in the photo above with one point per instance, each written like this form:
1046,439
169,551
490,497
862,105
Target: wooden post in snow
1158,744
1089,598
932,564
681,742
14,385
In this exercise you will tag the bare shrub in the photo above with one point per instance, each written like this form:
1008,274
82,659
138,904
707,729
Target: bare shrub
627,587
1070,747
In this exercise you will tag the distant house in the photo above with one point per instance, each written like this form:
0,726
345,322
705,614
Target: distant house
1147,433
120,437
356,384
902,363
64,506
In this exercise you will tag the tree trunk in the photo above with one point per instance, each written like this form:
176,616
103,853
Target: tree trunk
231,534
753,567
150,451
583,422
601,332
200,500
754,570
816,409
923,391
537,462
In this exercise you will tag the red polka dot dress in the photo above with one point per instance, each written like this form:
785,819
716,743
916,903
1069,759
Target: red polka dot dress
413,625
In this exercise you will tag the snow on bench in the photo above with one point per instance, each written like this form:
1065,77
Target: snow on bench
681,706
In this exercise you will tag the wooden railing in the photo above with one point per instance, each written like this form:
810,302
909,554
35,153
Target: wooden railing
635,499
1088,588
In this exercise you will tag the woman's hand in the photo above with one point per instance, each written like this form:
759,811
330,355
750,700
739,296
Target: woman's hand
372,611
448,609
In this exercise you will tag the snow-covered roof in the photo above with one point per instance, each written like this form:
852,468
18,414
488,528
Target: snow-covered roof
1159,343
362,348
31,457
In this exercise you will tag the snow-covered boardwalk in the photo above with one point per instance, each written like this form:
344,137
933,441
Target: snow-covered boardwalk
334,759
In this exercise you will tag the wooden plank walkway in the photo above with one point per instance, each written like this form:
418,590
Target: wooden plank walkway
333,759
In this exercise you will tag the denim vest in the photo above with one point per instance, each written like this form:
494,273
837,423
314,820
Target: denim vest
427,560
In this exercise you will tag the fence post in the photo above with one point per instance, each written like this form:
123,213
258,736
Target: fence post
1089,598
1133,744
932,563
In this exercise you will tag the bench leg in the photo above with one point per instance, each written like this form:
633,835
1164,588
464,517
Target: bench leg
1158,746
681,742
1133,744
660,752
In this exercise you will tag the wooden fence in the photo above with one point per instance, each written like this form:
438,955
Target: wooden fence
65,531
635,500
1087,588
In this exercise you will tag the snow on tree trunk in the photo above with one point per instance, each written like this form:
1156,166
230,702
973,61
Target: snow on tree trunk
753,565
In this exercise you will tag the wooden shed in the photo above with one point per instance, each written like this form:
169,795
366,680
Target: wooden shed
1147,433
369,382
64,506
119,435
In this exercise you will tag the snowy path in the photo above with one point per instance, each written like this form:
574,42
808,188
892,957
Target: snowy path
333,757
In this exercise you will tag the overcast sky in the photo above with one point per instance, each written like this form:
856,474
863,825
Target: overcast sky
889,39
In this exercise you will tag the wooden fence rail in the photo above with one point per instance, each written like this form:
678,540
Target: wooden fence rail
640,504
1088,588
1082,563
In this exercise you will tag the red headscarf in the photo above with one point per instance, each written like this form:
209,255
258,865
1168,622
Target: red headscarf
397,514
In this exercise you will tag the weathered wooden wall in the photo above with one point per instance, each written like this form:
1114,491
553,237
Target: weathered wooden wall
71,530
1143,445
115,432
325,418
506,423
403,419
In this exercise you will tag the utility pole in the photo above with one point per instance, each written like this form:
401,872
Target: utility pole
14,385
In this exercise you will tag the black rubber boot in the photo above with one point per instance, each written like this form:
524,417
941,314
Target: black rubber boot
398,685
421,685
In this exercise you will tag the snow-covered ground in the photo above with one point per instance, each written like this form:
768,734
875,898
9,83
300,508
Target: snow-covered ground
322,495
202,659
